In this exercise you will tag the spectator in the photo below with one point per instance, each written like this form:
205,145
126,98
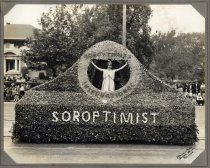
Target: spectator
186,93
18,80
11,93
27,87
17,92
14,79
7,94
9,78
199,99
190,90
186,87
202,88
23,80
12,89
180,89
22,91
195,87
27,78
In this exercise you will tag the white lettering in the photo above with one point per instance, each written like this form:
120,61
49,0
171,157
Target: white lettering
137,118
154,114
87,114
130,118
68,116
55,113
95,114
145,119
106,115
76,116
114,117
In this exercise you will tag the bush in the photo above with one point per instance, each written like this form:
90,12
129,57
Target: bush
24,71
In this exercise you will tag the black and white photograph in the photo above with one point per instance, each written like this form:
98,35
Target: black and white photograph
104,84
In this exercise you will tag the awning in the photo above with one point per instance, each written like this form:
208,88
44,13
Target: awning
12,72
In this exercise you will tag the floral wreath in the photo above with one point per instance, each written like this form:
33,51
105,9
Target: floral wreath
98,52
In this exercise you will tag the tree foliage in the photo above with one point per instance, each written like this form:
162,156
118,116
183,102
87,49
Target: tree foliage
54,43
179,56
68,30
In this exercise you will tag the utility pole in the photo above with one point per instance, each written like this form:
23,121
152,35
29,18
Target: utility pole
124,26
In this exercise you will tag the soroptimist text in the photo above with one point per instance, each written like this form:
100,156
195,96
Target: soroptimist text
104,116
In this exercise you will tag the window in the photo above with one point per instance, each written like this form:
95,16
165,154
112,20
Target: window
10,64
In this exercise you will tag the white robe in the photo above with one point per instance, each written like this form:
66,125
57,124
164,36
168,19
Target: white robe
108,80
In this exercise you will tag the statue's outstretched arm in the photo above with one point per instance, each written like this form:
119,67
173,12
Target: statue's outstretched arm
97,66
121,67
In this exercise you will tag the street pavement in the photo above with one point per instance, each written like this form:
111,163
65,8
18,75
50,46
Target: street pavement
101,153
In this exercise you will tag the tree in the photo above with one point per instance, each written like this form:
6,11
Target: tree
104,22
54,43
179,55
69,30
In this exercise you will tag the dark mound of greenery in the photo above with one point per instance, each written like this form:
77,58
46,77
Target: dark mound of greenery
175,114
174,122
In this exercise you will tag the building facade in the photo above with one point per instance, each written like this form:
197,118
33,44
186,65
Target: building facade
15,36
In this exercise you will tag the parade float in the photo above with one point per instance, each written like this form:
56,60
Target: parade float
73,108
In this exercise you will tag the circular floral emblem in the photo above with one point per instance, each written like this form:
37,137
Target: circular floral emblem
108,50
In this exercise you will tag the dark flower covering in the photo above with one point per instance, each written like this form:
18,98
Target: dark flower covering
174,122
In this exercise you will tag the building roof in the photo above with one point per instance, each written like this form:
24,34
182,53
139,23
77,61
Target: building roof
18,31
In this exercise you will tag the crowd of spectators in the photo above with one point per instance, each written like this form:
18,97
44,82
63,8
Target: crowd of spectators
192,89
15,87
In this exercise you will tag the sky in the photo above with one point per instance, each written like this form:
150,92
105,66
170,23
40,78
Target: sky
183,18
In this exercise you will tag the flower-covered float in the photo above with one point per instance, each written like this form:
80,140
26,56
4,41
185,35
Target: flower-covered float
72,108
